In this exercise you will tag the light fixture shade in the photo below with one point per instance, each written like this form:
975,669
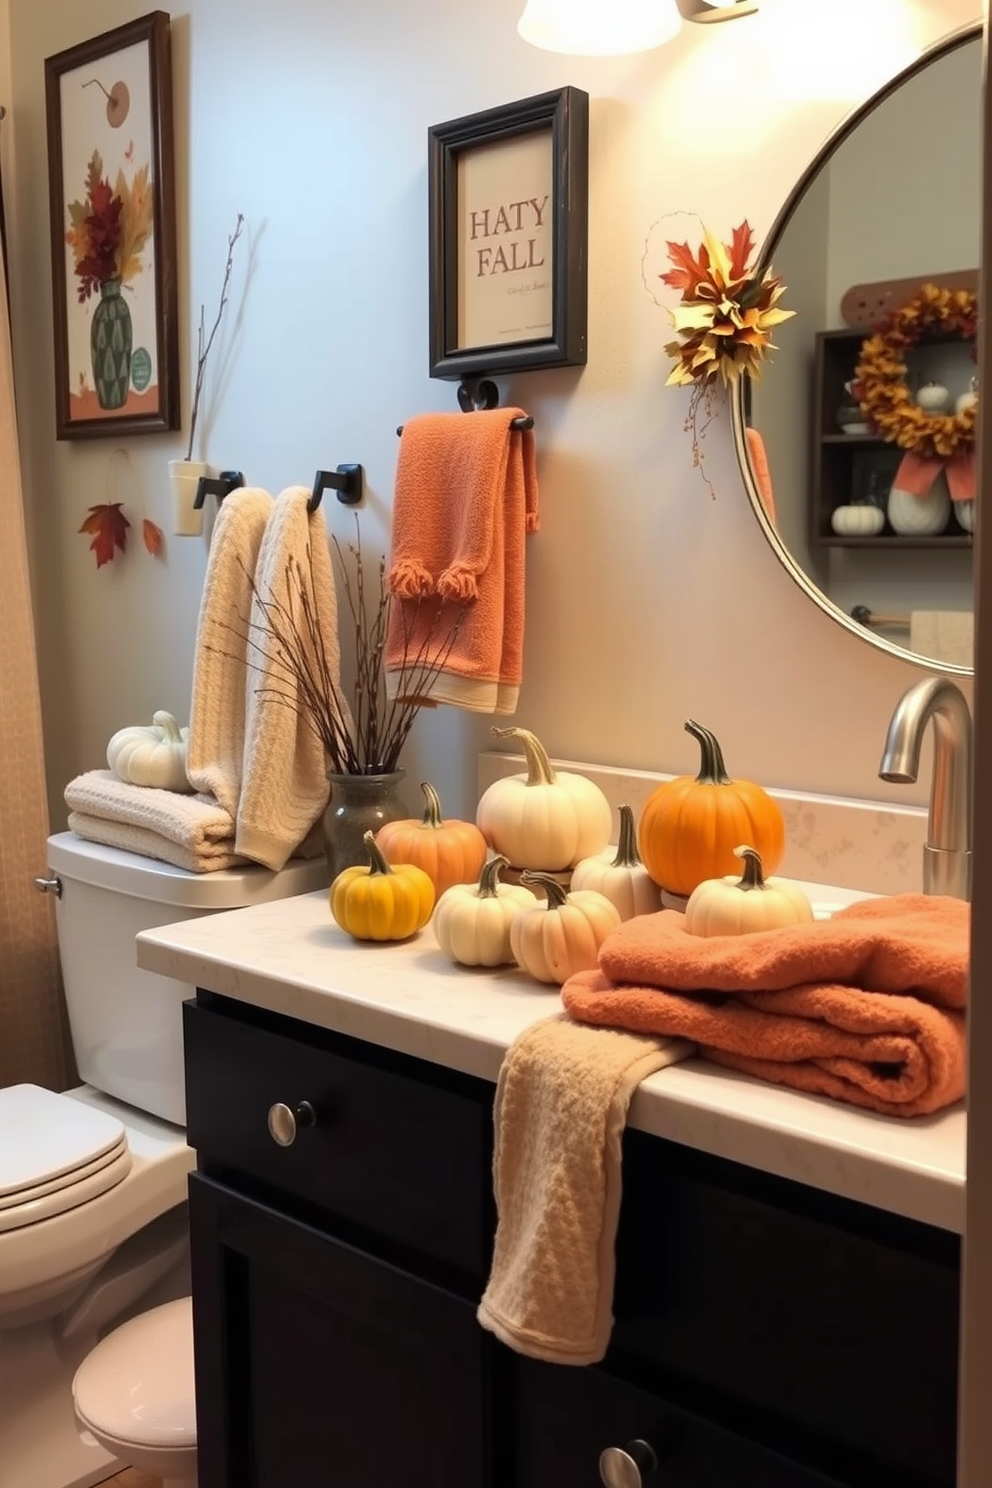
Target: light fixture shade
599,28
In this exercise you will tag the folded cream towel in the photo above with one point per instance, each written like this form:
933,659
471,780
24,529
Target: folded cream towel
209,857
943,635
217,716
194,822
561,1107
284,784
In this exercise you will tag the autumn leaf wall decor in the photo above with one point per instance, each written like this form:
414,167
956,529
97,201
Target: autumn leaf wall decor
107,526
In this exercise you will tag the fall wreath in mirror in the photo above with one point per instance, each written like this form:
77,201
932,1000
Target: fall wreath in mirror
724,322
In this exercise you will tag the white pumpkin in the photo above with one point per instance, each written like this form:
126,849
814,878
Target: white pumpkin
738,906
622,877
919,516
545,819
556,939
862,520
472,921
964,511
153,756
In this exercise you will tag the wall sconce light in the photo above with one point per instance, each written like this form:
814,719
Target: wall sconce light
613,28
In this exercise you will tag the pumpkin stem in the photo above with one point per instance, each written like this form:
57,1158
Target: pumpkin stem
557,896
627,854
489,877
752,876
168,725
377,863
432,806
539,769
712,770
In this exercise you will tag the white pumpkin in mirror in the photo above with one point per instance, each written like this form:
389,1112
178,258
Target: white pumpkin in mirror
969,399
932,397
859,519
964,511
919,516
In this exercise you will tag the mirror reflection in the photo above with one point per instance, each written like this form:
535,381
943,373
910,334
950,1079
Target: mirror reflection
883,229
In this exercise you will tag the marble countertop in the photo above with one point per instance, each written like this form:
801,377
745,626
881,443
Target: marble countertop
290,957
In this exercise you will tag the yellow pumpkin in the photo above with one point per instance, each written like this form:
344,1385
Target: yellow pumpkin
690,826
738,905
622,877
381,901
545,819
472,921
449,852
554,940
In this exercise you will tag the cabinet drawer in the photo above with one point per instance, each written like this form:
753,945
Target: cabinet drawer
393,1154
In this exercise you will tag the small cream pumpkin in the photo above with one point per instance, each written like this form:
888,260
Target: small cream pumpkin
622,878
153,756
857,520
738,906
472,921
552,941
546,819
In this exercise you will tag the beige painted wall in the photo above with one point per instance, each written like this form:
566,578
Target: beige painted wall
647,600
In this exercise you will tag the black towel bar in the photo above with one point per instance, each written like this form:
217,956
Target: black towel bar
220,486
348,481
476,397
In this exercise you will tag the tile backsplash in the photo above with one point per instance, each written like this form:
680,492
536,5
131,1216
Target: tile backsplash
853,844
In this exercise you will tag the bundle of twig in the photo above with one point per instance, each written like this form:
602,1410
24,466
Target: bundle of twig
367,735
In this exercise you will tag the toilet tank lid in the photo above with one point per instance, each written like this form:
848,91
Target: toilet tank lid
74,858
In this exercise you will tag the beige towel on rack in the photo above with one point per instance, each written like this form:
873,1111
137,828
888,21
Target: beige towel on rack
215,751
943,636
191,832
561,1107
284,787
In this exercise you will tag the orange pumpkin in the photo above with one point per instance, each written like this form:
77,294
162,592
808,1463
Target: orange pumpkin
690,827
449,852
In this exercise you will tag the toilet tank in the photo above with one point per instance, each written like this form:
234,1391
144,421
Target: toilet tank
126,1023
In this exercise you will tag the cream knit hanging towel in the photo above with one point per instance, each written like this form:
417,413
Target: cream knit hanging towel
216,745
561,1107
284,787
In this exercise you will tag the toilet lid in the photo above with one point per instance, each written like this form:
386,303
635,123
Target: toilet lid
54,1154
137,1384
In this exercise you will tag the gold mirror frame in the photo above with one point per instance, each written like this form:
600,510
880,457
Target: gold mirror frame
942,48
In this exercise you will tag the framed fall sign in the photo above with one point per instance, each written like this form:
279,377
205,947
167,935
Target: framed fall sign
112,203
508,192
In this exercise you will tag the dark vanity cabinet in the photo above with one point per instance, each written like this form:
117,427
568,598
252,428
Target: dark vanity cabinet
767,1335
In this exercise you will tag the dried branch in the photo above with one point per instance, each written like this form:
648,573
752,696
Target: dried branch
367,737
205,343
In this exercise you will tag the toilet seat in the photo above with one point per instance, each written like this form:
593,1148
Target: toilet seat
64,1155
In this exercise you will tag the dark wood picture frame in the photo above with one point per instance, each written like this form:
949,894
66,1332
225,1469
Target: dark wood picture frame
116,370
558,122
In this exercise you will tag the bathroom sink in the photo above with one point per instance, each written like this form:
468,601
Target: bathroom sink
827,899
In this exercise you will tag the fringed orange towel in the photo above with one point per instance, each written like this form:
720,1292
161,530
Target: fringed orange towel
762,473
867,1007
466,495
561,1107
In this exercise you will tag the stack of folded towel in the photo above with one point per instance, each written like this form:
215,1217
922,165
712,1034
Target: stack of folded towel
258,769
867,1007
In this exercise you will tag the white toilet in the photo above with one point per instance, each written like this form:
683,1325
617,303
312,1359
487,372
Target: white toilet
93,1181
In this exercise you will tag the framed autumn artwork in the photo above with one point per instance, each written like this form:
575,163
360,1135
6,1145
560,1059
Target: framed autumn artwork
112,205
509,205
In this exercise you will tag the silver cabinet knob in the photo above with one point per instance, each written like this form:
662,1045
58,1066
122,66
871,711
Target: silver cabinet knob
286,1121
625,1467
51,885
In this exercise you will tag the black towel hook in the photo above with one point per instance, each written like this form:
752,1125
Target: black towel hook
348,481
220,486
481,396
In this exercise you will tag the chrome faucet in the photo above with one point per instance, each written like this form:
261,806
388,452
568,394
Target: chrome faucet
947,854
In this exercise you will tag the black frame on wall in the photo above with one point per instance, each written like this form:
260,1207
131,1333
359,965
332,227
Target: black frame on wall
564,115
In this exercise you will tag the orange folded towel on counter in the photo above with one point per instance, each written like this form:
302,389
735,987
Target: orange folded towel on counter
466,495
867,1007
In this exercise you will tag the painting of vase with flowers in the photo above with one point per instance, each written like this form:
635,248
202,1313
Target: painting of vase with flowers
113,232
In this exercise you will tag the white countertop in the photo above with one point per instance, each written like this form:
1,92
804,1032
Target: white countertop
290,957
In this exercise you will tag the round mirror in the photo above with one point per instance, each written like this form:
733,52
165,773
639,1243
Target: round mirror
877,535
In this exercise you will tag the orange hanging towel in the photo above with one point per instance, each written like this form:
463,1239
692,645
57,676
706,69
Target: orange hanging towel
466,495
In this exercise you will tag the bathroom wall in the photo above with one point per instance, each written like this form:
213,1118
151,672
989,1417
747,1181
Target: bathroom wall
648,600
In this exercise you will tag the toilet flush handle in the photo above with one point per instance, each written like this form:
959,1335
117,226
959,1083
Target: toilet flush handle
49,886
285,1121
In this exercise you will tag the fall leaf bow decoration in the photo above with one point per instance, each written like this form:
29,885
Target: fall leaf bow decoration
727,313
